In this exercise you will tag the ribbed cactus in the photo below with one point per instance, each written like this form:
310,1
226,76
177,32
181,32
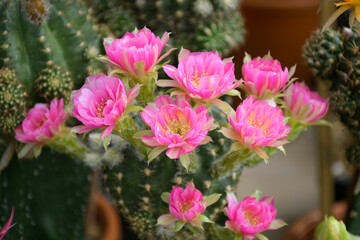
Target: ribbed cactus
342,67
191,23
47,48
344,71
322,52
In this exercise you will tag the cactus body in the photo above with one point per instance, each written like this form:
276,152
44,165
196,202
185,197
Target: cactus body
191,23
343,72
31,50
344,92
45,52
322,52
49,196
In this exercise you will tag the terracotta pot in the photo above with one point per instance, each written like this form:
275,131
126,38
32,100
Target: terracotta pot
102,219
281,27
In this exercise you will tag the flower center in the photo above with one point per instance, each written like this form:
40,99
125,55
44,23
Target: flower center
195,78
178,125
185,206
255,122
253,220
39,124
100,105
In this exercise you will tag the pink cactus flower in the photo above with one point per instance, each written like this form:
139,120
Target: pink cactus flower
136,53
203,76
175,126
264,78
186,206
42,123
305,106
250,217
100,102
7,225
257,124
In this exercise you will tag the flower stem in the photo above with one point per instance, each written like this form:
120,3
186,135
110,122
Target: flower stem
147,90
126,128
69,144
231,161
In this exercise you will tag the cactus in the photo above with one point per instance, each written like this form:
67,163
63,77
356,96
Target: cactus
190,22
322,52
47,49
49,195
344,75
343,72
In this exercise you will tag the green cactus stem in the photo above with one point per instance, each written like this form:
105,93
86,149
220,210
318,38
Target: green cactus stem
44,43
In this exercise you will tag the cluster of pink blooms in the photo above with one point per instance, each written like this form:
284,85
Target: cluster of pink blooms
177,126
247,218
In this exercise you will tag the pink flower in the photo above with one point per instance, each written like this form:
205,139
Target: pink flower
186,204
305,106
136,53
201,75
250,217
42,123
257,124
264,78
175,126
7,225
100,102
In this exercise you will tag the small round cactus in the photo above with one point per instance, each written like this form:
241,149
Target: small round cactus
322,52
12,93
54,82
9,122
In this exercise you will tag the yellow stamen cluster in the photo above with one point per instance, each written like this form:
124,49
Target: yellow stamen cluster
100,107
255,122
253,220
179,125
195,78
185,206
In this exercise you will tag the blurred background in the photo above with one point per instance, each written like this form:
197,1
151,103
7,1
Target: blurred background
314,175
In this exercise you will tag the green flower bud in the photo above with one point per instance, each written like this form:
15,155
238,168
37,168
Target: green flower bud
331,229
